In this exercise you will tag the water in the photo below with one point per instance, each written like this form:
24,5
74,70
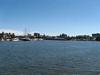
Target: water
50,58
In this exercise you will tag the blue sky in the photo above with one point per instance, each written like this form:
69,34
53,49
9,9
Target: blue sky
51,16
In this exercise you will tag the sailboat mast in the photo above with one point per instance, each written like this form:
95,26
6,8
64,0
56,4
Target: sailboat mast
25,32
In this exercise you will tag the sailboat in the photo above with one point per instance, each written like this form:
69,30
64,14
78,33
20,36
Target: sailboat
26,38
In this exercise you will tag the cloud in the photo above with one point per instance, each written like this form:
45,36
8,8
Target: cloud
11,31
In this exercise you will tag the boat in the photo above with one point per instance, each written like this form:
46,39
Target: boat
2,40
25,39
15,39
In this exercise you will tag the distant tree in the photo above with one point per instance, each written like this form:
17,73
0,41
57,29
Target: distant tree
2,34
12,35
68,38
44,36
63,35
83,37
98,38
96,35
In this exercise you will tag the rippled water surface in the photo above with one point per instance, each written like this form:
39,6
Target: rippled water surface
50,58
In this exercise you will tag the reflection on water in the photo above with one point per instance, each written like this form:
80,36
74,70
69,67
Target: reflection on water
50,58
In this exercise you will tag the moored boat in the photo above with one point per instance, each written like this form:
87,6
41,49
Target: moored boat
25,39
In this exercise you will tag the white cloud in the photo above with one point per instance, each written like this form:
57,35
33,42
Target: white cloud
11,31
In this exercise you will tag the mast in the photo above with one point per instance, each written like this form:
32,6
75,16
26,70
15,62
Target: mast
25,33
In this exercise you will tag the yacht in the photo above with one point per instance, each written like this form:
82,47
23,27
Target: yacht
25,39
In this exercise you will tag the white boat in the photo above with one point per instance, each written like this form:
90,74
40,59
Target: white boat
40,39
2,40
36,39
16,39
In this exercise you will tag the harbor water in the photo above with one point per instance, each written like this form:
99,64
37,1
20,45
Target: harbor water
50,58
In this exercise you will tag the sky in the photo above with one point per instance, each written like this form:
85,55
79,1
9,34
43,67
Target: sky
52,17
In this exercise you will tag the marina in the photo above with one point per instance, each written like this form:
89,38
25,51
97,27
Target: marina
49,37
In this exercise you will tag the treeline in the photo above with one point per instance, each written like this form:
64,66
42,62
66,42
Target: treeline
63,36
7,36
75,38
